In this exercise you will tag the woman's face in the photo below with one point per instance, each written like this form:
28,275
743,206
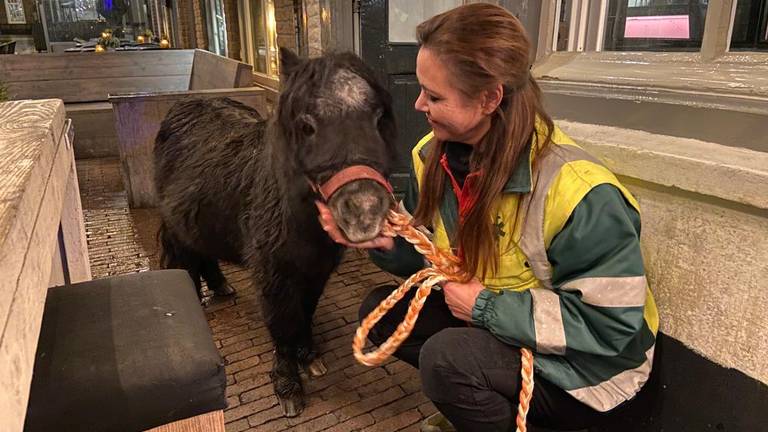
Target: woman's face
452,115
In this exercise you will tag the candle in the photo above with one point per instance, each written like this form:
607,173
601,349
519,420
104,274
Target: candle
164,43
99,48
140,39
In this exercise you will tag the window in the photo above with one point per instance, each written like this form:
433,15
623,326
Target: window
638,27
217,26
260,37
563,23
655,25
405,15
14,11
86,19
750,26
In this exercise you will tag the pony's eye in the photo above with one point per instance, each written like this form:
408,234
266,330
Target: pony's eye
307,129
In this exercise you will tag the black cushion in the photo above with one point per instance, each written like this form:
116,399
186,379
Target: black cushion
125,353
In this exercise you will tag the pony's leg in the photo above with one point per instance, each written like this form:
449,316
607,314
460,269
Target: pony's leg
215,279
174,255
308,358
283,312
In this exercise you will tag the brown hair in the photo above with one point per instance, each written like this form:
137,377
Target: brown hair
484,45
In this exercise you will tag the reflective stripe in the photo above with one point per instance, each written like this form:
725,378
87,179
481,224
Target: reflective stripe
547,166
610,291
548,322
622,387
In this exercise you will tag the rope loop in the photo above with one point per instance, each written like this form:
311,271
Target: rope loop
446,267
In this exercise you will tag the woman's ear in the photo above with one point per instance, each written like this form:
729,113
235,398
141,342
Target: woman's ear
492,99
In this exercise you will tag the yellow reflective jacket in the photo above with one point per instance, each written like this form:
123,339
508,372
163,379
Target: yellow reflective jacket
571,282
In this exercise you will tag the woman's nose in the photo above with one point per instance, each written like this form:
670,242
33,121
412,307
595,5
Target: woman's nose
421,104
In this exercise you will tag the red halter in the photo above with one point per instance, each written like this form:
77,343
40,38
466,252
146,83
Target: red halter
347,175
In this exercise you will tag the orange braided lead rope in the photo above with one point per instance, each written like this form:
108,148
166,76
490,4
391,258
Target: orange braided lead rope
446,267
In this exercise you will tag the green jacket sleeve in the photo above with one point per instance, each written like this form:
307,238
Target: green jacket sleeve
403,260
598,296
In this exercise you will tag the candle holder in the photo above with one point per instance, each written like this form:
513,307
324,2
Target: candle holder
140,39
99,48
164,43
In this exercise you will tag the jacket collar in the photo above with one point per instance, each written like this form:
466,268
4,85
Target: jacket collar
520,179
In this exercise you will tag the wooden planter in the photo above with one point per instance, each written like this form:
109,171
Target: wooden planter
137,120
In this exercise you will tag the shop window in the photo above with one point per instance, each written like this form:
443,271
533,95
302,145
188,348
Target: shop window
655,25
84,21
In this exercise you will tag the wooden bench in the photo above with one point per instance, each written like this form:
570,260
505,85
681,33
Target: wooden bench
42,237
84,82
126,353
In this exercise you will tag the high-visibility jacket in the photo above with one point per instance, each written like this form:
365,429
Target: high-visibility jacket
571,282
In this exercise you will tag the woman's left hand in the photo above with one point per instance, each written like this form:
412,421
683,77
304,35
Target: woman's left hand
461,297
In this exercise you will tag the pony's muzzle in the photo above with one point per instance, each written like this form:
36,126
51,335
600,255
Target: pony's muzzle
360,209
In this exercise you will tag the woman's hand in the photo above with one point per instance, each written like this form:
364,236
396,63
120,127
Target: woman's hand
461,297
329,225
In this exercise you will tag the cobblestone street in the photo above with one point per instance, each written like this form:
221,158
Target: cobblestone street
350,397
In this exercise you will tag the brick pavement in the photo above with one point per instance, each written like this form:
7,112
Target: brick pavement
351,397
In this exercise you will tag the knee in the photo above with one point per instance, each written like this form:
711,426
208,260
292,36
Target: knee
447,367
376,296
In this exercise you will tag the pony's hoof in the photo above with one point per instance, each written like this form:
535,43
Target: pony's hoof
292,405
225,290
317,368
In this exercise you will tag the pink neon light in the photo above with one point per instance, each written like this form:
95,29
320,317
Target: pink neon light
658,27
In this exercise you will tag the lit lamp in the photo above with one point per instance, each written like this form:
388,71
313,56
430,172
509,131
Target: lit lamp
164,43
99,48
140,39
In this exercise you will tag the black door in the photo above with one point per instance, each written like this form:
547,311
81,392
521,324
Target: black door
396,64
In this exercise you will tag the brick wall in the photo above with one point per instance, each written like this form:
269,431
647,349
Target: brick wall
285,24
314,39
185,17
233,29
201,33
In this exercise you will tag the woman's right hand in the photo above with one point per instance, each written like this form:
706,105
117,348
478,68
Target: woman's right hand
329,225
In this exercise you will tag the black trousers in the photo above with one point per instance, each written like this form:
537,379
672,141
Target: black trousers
471,376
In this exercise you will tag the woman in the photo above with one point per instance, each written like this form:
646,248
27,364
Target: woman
549,234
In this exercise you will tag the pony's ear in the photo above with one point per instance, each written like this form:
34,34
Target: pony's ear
288,62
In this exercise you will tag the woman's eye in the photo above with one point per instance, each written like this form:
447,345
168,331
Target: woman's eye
433,98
